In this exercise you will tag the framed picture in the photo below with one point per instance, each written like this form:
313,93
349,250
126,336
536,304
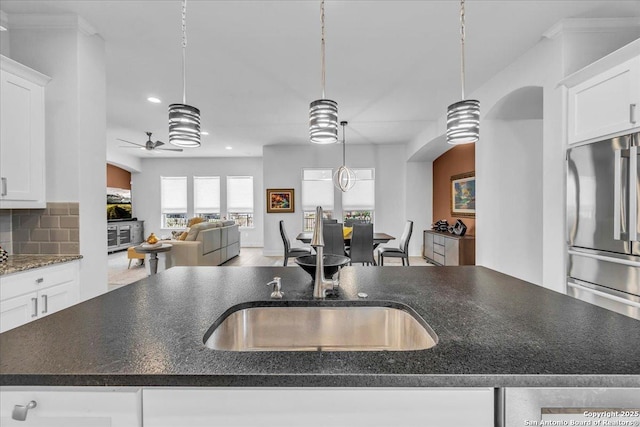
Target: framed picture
463,195
280,200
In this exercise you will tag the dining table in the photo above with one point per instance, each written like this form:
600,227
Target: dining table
378,238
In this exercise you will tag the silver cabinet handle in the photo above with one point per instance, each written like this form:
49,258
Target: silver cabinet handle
4,186
632,113
20,411
45,303
633,194
34,302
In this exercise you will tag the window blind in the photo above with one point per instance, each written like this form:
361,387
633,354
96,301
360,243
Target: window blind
240,194
317,189
362,196
206,194
173,194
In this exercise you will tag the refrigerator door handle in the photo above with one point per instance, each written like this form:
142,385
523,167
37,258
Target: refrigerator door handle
618,196
633,194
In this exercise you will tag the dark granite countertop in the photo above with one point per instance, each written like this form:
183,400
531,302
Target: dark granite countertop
494,331
16,263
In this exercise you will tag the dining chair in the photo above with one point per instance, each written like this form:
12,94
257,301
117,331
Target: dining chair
350,222
362,244
333,238
402,251
290,252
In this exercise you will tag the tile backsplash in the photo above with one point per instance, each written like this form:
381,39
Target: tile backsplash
53,230
5,231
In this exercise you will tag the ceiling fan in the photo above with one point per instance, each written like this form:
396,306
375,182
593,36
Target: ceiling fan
149,145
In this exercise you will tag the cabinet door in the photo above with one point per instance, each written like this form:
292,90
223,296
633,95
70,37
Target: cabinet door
57,298
310,407
17,311
605,104
452,252
22,143
428,245
72,407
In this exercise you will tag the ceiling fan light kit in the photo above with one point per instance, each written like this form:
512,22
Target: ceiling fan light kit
463,117
344,178
323,113
184,119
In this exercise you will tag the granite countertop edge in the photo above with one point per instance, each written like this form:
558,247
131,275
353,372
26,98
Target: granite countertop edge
18,263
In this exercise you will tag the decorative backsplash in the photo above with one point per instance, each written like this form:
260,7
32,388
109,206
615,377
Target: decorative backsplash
53,230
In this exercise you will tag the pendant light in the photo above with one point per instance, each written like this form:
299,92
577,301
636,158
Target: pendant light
184,120
323,113
463,117
344,178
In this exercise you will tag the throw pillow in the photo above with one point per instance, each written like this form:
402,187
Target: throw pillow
346,231
194,221
183,236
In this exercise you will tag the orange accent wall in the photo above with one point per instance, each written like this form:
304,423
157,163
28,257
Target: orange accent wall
118,178
459,159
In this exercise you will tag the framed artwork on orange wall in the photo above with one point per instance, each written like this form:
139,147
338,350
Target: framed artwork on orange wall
280,200
463,195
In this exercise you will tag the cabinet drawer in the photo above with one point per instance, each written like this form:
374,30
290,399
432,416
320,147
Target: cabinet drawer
32,280
438,258
438,239
73,406
438,249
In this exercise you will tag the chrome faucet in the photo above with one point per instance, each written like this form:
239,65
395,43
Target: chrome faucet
321,285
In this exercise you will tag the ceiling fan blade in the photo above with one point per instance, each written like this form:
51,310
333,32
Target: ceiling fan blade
129,142
158,144
126,146
169,149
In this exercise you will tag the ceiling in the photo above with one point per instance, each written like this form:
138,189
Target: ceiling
253,67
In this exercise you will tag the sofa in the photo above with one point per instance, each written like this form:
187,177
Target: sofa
206,243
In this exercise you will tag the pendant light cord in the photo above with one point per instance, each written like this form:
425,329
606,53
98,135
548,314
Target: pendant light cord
322,47
184,51
462,46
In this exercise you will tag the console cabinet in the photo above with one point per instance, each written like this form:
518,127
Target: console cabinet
22,148
36,293
448,249
124,234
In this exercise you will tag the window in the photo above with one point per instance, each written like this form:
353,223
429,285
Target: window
173,201
206,197
240,200
317,190
359,202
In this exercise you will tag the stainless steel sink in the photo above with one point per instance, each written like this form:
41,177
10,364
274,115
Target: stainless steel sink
386,326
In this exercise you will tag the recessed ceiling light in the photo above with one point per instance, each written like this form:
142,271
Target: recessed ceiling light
228,148
154,100
204,132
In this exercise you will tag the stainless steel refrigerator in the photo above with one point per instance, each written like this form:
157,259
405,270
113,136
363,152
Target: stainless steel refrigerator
603,223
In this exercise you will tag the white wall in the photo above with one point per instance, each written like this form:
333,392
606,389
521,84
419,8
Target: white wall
145,189
119,156
510,191
283,166
75,127
419,202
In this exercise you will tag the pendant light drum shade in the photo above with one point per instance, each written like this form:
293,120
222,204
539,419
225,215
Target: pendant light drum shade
184,125
323,121
463,122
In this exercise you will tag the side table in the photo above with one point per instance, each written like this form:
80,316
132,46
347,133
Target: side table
153,254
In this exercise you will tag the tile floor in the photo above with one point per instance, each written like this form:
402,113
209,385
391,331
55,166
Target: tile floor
119,275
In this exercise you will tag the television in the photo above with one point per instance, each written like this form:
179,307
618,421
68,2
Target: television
118,204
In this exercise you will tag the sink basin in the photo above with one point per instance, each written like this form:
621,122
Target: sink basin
332,263
320,326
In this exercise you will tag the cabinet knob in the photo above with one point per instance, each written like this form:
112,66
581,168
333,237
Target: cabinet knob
20,411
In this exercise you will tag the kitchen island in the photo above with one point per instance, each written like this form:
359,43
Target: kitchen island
494,331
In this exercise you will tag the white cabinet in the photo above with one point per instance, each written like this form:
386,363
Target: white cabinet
22,148
36,293
311,407
604,97
73,406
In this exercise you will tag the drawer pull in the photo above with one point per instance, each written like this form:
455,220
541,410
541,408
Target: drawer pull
20,411
4,186
34,302
39,280
632,113
45,303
